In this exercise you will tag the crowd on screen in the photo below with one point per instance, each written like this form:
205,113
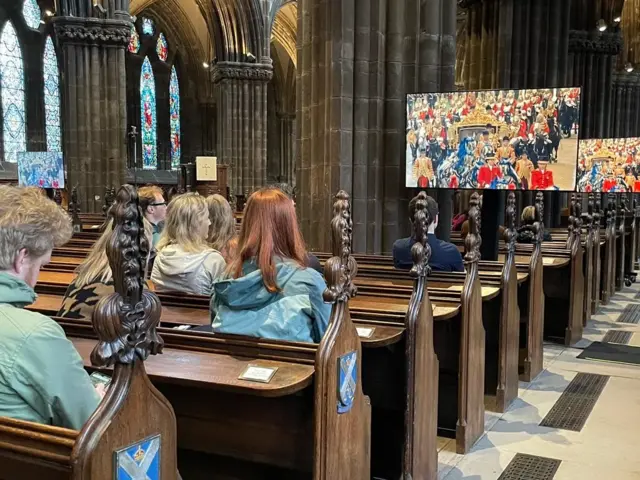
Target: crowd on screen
609,165
519,136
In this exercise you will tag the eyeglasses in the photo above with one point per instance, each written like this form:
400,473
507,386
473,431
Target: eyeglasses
158,204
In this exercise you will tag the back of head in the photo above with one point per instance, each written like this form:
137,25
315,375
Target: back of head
432,208
528,215
269,229
30,221
223,224
187,223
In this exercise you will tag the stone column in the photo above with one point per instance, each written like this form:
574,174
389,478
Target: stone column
357,61
241,90
287,147
94,100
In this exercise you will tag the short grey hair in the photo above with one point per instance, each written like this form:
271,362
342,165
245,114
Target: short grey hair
29,220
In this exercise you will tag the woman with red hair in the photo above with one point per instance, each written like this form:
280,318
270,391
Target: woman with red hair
268,291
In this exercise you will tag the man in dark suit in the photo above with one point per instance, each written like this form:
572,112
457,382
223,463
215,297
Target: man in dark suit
445,256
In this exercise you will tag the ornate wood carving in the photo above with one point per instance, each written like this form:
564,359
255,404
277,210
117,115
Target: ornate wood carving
74,210
589,262
109,198
608,43
342,411
133,412
539,224
57,196
420,457
597,253
470,424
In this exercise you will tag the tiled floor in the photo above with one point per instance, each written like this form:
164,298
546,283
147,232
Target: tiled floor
607,446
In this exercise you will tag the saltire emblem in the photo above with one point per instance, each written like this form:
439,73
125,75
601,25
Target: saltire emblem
140,461
347,380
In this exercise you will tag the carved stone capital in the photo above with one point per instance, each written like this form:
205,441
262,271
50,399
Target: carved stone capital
604,43
241,71
92,31
468,3
625,79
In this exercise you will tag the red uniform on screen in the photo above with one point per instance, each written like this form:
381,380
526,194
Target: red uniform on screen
541,179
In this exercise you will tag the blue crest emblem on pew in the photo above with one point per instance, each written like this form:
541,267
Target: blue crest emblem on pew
347,380
140,461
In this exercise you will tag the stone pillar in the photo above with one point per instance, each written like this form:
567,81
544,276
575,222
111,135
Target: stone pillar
241,90
287,147
357,61
94,98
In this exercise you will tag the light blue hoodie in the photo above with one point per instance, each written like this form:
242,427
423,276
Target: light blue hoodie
244,306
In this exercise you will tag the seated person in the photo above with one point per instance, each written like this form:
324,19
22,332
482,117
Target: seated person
268,291
94,279
154,208
42,377
445,256
528,217
185,262
222,231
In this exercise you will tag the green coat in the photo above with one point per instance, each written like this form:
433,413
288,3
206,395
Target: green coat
42,378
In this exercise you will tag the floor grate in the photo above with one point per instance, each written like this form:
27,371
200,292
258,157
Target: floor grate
530,467
617,336
630,314
573,407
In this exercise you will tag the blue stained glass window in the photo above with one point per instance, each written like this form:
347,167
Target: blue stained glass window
174,113
52,97
12,86
147,26
31,13
148,116
162,48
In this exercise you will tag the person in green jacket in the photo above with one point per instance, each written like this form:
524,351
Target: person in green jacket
42,378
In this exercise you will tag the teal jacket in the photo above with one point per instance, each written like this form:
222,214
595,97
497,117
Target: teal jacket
244,306
42,378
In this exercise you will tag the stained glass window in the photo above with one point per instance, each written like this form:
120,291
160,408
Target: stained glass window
148,116
174,112
162,48
52,97
12,86
31,13
134,41
147,26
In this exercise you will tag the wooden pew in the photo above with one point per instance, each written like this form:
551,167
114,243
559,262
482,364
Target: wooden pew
134,427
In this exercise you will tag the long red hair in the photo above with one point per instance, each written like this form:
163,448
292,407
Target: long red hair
269,229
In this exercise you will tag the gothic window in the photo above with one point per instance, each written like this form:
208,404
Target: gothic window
148,116
31,13
12,86
174,112
134,41
147,26
52,97
162,48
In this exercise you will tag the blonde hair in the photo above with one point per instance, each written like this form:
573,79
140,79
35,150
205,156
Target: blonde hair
96,268
30,221
223,224
528,215
183,225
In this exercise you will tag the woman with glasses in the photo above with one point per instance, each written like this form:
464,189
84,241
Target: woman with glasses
184,261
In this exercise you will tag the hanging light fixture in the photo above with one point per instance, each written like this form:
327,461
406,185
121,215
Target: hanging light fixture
628,67
617,19
205,64
602,25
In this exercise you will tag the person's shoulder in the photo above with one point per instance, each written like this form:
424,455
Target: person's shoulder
23,325
402,244
448,247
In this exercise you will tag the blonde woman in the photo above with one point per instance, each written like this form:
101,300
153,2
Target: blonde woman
42,378
94,279
222,231
185,262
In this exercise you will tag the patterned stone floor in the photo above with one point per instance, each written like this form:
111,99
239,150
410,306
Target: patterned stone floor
605,448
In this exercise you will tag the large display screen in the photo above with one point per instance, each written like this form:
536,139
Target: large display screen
496,139
609,165
41,169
